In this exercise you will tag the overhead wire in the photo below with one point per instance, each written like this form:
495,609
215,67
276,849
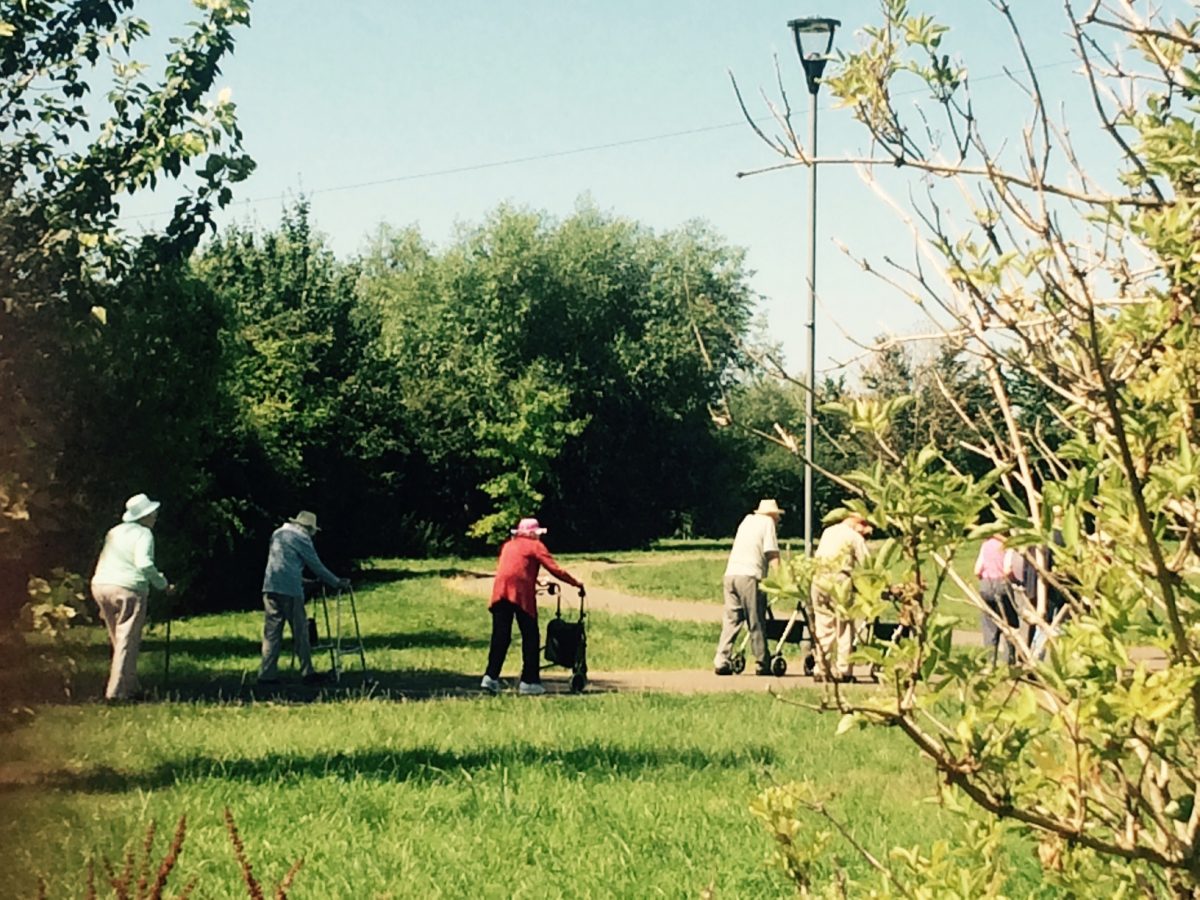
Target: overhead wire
537,157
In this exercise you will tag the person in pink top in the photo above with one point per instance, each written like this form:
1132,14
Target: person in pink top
995,591
514,595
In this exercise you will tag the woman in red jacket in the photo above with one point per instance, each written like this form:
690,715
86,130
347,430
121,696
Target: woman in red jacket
514,594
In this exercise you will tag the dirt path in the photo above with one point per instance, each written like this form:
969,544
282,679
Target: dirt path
685,681
607,599
699,680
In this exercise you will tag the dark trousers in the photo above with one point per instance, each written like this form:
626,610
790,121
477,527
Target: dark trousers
502,621
997,594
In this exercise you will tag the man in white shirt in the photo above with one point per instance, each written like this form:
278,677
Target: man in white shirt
845,545
755,552
124,574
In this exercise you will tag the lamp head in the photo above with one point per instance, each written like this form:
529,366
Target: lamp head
813,61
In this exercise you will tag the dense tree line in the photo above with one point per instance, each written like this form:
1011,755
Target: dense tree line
420,398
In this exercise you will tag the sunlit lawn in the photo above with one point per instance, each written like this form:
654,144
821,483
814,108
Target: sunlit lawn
599,795
699,575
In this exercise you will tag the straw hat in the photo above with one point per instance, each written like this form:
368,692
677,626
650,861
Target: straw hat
528,528
305,519
768,507
138,507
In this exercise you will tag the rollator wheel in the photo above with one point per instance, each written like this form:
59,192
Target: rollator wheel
737,662
778,666
810,664
578,682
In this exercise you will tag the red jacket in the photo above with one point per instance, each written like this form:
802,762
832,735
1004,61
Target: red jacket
517,572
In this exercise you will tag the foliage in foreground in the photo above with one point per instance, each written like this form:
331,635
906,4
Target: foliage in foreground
1083,285
133,880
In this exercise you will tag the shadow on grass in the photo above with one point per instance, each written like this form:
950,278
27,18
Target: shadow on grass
202,648
240,686
423,763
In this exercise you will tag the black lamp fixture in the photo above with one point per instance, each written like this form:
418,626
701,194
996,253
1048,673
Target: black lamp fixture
814,60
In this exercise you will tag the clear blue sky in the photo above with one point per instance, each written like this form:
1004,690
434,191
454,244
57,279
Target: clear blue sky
390,93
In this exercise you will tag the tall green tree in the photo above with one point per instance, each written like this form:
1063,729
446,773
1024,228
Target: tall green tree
312,421
82,124
627,324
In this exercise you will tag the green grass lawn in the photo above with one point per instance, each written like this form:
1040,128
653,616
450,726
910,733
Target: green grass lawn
600,795
699,576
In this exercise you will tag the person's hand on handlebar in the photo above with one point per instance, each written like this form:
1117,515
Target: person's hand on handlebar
582,591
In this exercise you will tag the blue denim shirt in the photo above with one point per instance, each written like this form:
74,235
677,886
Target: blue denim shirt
291,551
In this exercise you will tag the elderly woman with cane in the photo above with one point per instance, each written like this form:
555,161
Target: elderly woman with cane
121,584
514,595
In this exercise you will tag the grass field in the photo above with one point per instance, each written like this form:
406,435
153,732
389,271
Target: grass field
626,796
698,575
600,795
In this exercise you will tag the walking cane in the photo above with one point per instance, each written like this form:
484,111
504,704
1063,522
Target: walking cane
167,657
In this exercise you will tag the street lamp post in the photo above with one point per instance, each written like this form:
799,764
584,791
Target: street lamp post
814,66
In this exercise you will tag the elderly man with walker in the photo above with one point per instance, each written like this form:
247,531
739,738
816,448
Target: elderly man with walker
755,552
291,552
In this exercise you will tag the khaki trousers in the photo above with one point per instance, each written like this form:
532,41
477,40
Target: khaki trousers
124,615
833,636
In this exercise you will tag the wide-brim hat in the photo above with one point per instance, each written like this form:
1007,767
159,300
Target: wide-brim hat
528,528
305,519
138,507
768,507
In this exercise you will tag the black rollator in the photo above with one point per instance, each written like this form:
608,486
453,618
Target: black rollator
566,642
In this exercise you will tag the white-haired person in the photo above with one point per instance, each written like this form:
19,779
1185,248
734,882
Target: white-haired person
514,596
755,552
121,584
291,552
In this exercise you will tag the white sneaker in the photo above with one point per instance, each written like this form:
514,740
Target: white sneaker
530,690
491,685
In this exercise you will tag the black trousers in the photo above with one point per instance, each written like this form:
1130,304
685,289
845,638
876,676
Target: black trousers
502,620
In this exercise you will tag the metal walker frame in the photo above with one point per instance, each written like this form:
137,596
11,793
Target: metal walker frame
333,636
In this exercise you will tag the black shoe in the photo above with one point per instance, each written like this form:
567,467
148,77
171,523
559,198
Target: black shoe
723,670
318,678
760,670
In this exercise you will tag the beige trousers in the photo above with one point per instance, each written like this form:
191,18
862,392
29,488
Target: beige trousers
124,615
833,636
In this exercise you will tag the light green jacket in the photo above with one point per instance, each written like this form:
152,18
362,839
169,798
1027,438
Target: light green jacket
127,559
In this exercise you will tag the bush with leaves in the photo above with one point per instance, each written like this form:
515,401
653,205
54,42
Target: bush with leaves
83,123
1082,282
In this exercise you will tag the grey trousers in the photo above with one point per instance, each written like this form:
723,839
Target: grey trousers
998,596
124,615
744,602
281,608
